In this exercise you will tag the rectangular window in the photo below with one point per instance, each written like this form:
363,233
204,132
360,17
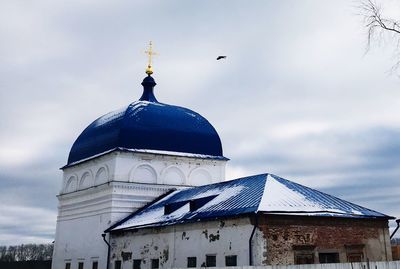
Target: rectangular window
304,258
80,265
354,257
211,260
191,262
117,265
95,265
304,254
67,265
137,264
355,252
231,260
155,264
329,257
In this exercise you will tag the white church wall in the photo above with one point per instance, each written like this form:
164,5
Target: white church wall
71,184
199,175
173,175
112,197
172,245
86,181
143,173
167,169
98,192
90,173
143,168
85,214
70,248
259,247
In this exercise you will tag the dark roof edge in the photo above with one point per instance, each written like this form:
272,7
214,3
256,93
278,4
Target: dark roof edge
139,210
149,151
277,213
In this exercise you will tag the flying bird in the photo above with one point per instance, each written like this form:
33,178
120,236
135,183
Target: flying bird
221,57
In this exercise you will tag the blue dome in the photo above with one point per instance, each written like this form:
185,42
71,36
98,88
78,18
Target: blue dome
148,125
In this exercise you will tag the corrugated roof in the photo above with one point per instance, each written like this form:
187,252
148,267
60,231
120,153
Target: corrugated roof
264,193
284,196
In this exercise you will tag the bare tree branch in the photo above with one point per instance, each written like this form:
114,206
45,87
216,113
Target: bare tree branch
378,27
374,19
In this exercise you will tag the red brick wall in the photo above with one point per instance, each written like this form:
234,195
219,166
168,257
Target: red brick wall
287,236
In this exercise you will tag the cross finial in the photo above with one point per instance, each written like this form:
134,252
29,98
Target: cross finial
150,53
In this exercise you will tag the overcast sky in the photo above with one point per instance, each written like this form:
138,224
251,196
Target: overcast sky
297,96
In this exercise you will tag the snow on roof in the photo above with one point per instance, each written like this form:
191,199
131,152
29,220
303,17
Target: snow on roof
265,193
284,196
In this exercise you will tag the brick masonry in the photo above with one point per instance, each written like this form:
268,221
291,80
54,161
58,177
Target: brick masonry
289,236
396,252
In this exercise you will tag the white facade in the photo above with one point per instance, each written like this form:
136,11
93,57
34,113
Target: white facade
99,192
173,245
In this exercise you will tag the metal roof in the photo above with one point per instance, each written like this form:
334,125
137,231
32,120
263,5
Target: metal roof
265,193
148,125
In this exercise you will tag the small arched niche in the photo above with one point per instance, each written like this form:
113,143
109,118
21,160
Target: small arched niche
101,176
173,176
86,181
199,176
72,184
143,173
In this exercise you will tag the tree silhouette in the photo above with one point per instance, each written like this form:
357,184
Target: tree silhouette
28,252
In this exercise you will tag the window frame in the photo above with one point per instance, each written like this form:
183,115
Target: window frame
119,262
134,263
227,257
333,253
188,264
300,255
352,255
353,251
153,263
211,256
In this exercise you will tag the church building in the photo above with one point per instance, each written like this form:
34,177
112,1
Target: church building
144,187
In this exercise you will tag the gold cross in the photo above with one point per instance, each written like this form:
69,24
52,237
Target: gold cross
150,53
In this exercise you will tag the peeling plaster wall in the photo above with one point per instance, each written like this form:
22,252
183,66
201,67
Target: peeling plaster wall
173,244
284,233
275,241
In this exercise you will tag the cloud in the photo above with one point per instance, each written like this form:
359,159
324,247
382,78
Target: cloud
296,95
24,224
359,165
